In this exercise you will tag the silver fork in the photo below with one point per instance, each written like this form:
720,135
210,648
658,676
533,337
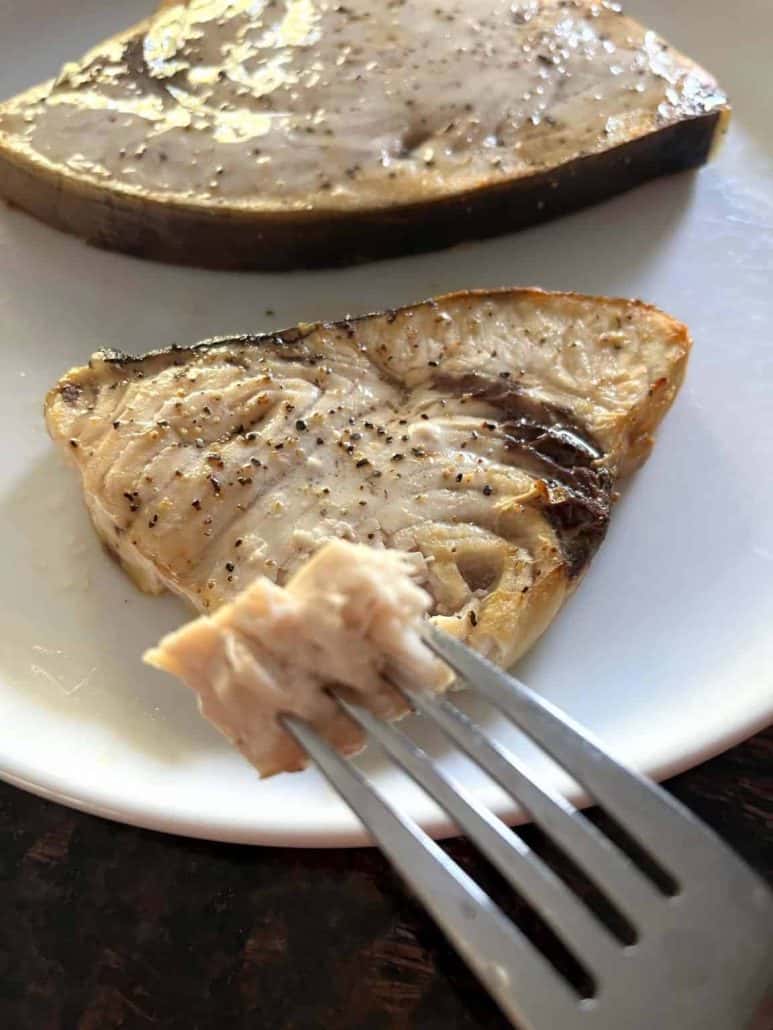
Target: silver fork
700,956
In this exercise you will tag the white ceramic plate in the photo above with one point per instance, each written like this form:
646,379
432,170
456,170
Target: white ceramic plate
667,649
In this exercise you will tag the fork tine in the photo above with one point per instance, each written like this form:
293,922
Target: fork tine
516,975
612,871
587,938
645,811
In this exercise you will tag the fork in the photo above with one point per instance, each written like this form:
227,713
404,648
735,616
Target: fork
697,951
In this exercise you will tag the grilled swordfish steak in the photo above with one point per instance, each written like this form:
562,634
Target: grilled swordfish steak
482,432
350,616
247,133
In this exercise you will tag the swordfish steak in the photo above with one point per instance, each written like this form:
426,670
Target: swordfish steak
481,432
247,133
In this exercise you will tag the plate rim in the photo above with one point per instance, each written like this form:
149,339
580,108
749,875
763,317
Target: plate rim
441,828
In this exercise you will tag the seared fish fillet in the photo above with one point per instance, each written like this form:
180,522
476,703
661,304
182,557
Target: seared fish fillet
483,432
274,134
349,616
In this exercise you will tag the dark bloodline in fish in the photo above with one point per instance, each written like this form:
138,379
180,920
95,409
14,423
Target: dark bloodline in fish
558,449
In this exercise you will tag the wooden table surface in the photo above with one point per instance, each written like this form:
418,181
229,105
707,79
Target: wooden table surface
104,926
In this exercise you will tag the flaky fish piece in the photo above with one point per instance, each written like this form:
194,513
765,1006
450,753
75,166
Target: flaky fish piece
350,618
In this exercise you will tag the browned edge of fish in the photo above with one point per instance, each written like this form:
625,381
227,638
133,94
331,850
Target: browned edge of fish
231,238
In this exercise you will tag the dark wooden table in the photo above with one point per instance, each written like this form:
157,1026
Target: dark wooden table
103,926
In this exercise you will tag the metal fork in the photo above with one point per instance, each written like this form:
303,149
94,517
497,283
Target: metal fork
700,955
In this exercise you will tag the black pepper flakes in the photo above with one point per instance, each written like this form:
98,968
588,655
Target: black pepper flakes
488,490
